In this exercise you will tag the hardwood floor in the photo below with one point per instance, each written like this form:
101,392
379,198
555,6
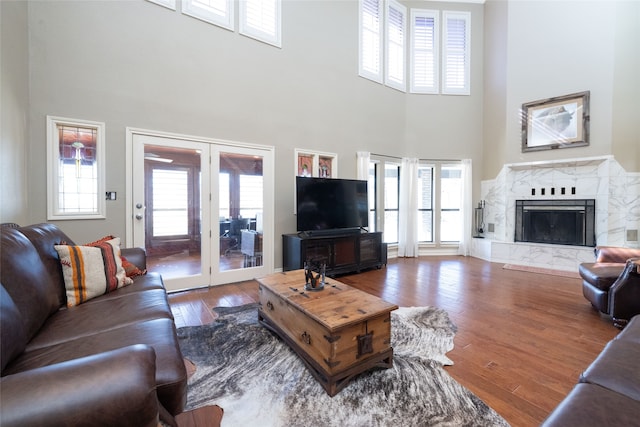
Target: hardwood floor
522,341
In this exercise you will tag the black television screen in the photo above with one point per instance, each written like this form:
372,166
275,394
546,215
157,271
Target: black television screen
327,204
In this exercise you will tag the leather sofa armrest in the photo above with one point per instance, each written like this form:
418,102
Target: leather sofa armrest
112,388
136,256
624,295
615,254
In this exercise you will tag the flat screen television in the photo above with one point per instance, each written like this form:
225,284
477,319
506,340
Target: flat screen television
331,204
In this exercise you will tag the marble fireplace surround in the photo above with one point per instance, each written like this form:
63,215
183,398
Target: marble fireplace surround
617,195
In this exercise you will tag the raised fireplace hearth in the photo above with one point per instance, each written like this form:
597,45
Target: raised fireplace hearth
559,222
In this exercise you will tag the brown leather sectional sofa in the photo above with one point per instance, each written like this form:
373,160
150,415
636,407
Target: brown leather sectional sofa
608,392
113,360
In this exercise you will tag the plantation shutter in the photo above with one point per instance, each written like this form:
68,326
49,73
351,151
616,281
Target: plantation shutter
456,57
395,30
424,51
217,12
371,39
260,19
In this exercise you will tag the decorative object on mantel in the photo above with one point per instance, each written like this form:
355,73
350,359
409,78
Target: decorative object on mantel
259,380
560,122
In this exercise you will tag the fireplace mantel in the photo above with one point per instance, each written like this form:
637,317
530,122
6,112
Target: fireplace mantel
564,163
617,211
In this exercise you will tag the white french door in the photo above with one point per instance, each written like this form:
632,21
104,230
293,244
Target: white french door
193,201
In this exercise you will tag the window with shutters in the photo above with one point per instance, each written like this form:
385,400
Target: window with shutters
439,49
424,51
456,55
395,52
260,19
371,40
217,12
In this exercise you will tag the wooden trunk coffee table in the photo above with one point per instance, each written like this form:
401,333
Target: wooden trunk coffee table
338,332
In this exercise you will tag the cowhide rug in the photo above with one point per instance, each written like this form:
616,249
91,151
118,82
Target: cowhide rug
260,381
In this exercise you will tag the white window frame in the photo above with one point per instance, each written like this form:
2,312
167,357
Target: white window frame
394,81
169,4
415,87
54,212
448,50
436,202
363,70
261,34
197,9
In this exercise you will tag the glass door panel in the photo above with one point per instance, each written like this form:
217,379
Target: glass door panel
242,205
169,202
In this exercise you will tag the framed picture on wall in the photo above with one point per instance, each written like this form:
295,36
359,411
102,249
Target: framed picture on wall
316,164
305,164
560,122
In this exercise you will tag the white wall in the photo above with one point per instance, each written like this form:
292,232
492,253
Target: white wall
556,48
134,63
14,175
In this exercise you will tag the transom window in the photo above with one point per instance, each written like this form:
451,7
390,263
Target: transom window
258,19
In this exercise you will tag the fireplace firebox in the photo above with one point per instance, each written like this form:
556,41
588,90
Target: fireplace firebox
559,222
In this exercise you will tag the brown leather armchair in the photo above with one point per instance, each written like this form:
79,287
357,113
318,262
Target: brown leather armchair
612,283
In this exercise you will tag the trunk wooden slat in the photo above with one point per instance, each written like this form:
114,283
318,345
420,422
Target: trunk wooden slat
338,332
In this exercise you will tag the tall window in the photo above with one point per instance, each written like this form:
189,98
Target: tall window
456,54
371,40
450,203
395,35
440,186
424,51
260,19
391,202
373,197
439,201
425,203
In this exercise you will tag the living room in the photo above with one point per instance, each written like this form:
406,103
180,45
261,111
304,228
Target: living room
134,64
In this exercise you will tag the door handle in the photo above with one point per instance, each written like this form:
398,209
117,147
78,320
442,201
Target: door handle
139,216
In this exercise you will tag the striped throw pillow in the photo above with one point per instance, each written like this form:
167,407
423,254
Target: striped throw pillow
92,270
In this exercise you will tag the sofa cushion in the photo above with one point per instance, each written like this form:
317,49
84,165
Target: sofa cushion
114,388
616,368
171,375
99,315
44,237
593,405
27,280
92,270
12,337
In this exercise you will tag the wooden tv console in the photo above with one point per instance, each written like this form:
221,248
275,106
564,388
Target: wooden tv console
341,252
